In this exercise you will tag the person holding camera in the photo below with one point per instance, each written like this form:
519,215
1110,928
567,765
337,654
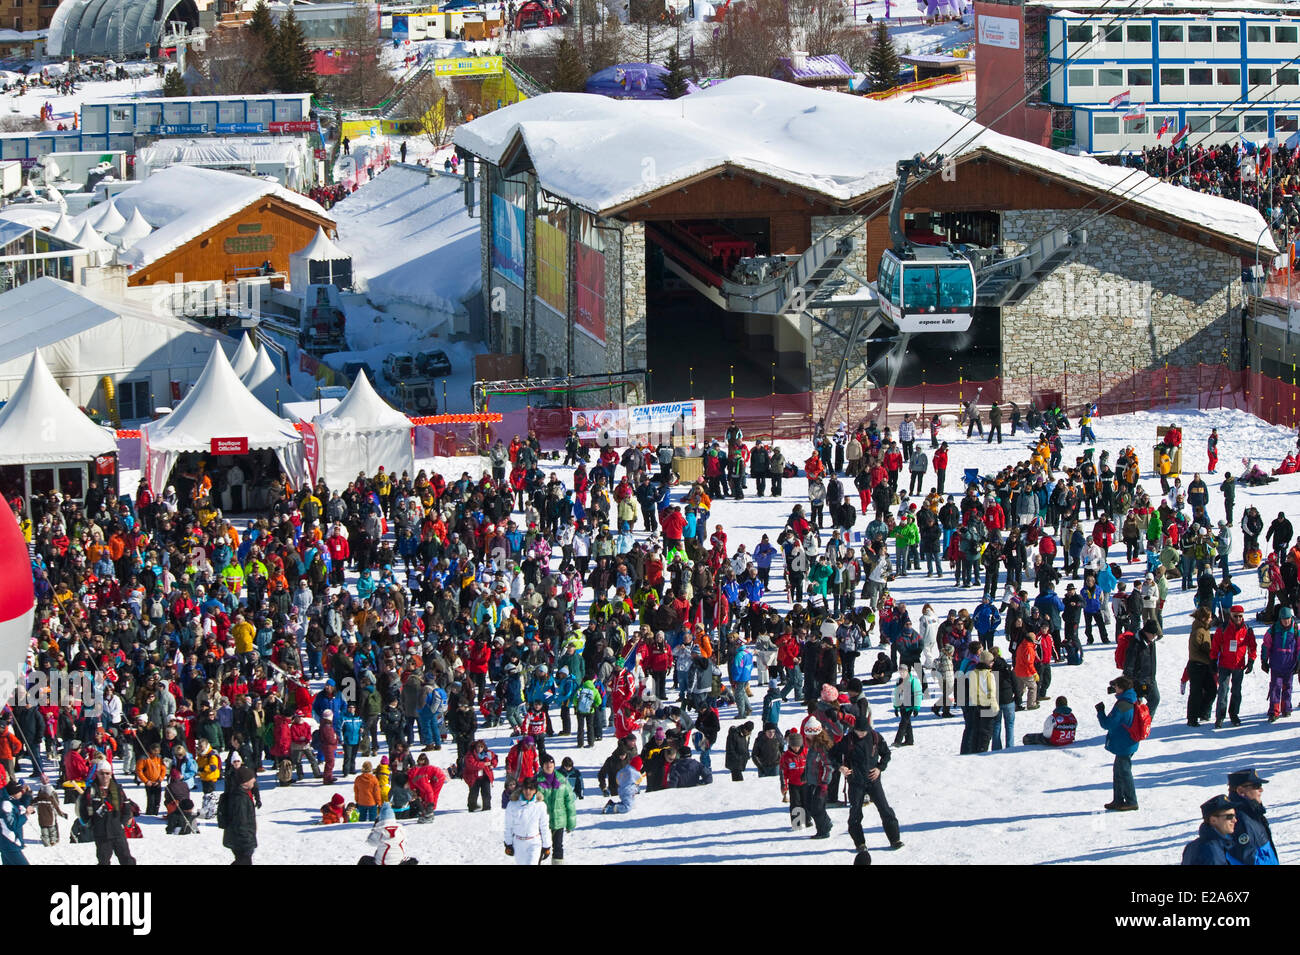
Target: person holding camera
1120,743
102,807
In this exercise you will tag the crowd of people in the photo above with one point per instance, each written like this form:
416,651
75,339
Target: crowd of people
1267,178
400,614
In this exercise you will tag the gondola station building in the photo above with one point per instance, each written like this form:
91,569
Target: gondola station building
627,235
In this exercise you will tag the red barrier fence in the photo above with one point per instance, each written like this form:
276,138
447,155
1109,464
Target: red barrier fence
792,417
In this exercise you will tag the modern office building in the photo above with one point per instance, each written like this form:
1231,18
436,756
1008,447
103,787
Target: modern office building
1223,70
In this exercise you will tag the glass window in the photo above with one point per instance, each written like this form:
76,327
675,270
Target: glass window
1256,76
920,287
1139,77
1228,76
1227,34
1284,34
1199,76
1139,126
1198,34
956,290
133,400
1112,33
1105,125
1080,77
1172,77
1259,34
1286,123
1079,34
1200,123
1226,124
1139,33
1288,77
1171,33
1110,77
1256,123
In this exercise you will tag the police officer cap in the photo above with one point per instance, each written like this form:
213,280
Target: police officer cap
1245,777
1212,807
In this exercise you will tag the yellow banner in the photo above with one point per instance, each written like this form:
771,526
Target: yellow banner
357,128
469,66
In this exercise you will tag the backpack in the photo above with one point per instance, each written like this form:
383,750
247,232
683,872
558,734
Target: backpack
1140,728
79,833
586,700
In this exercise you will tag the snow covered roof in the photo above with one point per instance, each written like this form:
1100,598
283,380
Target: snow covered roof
242,360
362,411
187,201
39,424
604,154
266,383
63,229
105,217
218,406
828,67
321,249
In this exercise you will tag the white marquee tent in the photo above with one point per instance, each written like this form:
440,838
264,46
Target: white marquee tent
242,360
42,431
321,262
218,406
361,433
266,383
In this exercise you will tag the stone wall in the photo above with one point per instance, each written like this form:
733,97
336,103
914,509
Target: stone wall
1136,297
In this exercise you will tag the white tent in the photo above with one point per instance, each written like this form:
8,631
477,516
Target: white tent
108,219
242,360
90,240
267,384
321,262
39,424
64,229
132,232
362,433
218,406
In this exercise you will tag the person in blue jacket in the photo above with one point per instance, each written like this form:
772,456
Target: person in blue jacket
740,670
763,555
1252,835
1120,743
327,699
350,729
14,800
1214,842
987,620
772,702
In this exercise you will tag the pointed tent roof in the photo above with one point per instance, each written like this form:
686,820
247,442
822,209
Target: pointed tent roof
131,233
267,384
244,356
322,248
219,406
110,220
63,229
91,240
39,424
362,410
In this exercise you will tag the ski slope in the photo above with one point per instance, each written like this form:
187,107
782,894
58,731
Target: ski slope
1015,807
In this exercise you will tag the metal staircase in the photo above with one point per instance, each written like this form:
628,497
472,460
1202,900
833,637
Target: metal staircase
785,281
1007,282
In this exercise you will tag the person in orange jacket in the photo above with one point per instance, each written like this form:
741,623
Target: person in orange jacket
1026,670
814,467
151,773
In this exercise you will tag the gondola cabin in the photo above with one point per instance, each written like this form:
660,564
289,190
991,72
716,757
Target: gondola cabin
926,289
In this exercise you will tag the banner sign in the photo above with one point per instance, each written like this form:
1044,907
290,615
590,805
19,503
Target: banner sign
999,31
229,446
594,423
469,66
292,126
240,127
310,451
179,129
643,419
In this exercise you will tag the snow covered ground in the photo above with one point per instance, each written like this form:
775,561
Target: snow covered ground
65,107
1019,806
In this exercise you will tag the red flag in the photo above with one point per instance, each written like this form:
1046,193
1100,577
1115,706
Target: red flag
1179,136
1164,128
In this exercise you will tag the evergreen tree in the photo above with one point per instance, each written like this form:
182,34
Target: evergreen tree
260,24
570,74
173,85
882,61
292,63
675,80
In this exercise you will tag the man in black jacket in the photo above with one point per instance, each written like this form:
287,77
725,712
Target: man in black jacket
237,815
1140,665
863,755
102,807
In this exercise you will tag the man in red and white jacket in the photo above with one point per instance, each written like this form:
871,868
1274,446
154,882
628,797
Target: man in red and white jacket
1058,729
1232,653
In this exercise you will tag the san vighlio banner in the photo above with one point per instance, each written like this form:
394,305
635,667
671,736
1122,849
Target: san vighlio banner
643,419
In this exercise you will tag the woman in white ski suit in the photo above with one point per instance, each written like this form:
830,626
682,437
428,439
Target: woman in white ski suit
528,827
